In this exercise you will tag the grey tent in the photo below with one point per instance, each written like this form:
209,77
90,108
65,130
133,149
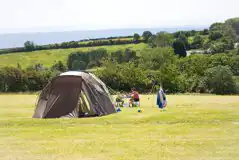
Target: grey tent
74,94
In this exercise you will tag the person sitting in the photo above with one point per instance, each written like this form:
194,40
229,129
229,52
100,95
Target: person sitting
119,100
135,98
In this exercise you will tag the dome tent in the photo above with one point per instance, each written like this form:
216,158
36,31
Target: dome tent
74,94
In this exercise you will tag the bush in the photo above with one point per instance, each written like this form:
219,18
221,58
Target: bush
124,76
80,60
157,58
59,66
17,80
219,80
213,36
78,65
197,42
11,79
121,56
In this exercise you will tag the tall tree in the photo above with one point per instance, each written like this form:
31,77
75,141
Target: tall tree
136,38
29,46
197,42
163,39
184,40
179,48
146,35
234,23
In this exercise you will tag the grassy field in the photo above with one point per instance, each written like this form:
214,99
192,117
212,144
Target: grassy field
192,128
49,57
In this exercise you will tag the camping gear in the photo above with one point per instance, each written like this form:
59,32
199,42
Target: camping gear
74,94
119,100
161,99
140,110
118,109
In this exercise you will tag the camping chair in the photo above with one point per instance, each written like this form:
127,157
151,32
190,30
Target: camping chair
119,101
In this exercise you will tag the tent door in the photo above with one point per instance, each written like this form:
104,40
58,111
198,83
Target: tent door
66,91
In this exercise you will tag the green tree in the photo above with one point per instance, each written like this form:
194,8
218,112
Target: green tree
216,26
136,38
124,76
219,80
160,63
229,33
151,41
29,46
97,54
11,79
217,47
204,32
197,42
184,40
157,58
213,36
59,66
117,56
146,35
234,64
226,30
163,39
179,48
192,65
129,55
234,23
78,65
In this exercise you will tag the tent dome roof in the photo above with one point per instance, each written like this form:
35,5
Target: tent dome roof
74,73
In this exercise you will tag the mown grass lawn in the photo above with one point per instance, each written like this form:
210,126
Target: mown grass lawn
50,57
193,128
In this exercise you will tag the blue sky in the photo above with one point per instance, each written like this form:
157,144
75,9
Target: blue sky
55,15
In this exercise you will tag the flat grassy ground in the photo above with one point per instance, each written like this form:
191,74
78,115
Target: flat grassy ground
49,57
192,128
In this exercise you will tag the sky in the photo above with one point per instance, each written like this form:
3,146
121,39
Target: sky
59,15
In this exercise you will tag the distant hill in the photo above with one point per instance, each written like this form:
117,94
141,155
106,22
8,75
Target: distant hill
43,38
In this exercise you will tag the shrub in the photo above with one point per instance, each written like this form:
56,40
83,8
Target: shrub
80,60
59,66
219,80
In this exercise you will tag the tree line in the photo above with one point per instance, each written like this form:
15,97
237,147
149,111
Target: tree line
30,46
197,73
125,69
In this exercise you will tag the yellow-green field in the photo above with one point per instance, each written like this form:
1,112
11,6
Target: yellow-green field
49,57
199,127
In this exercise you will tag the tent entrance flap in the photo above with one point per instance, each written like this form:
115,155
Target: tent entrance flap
67,90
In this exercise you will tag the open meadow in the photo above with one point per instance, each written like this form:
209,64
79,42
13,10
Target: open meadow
193,127
50,57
